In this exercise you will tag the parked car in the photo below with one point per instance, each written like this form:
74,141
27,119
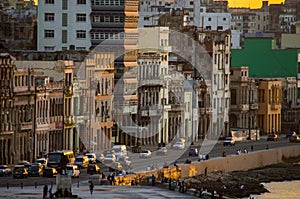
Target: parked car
43,161
82,161
115,166
5,170
145,154
193,152
49,172
25,163
272,137
36,170
73,171
290,134
162,151
92,158
295,138
229,141
93,169
20,171
179,145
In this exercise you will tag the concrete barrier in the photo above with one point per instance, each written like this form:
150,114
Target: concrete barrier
241,162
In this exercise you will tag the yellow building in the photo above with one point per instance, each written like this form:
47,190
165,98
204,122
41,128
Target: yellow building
269,101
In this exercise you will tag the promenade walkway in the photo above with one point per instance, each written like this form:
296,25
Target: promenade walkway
99,192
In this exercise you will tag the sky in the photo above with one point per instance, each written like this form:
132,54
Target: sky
243,3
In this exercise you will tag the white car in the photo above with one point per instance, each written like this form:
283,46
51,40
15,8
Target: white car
92,158
73,171
145,154
109,159
124,160
179,145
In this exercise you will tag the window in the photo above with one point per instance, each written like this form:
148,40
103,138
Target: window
209,19
49,48
81,1
224,19
80,34
80,48
49,1
81,17
65,4
96,18
64,36
49,17
49,33
64,21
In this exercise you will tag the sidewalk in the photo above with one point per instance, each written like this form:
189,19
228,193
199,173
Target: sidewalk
99,192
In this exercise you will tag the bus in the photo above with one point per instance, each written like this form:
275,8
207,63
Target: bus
60,159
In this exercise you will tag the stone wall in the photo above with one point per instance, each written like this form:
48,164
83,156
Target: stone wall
244,162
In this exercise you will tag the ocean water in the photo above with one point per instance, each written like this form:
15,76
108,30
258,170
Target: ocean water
281,190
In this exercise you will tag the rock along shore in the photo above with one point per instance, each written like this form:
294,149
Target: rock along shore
240,184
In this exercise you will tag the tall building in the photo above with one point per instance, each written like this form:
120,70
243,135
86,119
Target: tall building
7,132
63,25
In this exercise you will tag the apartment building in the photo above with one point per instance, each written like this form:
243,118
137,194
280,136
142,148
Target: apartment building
63,25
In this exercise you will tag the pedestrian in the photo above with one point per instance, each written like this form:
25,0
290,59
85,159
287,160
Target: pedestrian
267,147
175,163
45,191
206,157
113,179
153,180
50,192
224,154
205,171
91,188
251,147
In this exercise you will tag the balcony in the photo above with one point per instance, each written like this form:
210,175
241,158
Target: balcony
177,107
209,110
202,111
275,106
244,107
26,125
68,90
152,82
69,120
254,106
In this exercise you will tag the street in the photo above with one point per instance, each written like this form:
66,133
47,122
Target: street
141,164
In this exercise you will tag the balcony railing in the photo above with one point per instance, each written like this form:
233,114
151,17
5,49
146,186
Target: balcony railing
244,107
202,111
254,106
69,120
275,106
68,90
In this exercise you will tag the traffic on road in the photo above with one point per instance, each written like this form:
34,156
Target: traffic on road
124,161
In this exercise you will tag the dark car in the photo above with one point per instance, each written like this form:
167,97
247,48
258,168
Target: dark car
272,137
5,170
93,169
20,171
36,170
229,141
193,152
49,172
295,138
290,134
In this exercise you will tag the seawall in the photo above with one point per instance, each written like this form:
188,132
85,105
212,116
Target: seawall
241,162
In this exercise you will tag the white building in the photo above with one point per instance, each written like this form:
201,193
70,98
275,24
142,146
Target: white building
63,24
154,84
220,93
